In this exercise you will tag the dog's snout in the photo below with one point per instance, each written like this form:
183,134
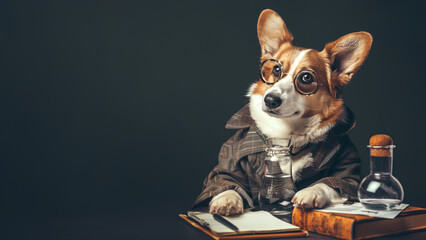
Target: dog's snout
272,101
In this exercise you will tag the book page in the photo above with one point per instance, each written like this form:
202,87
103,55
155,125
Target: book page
357,208
260,221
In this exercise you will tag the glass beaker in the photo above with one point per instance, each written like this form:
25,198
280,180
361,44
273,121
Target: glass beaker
278,187
380,190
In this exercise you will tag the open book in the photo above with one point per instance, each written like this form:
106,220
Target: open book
247,223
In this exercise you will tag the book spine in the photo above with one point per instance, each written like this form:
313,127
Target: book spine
324,223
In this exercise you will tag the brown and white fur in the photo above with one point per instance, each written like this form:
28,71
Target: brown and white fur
304,118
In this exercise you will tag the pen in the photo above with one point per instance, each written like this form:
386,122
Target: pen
225,222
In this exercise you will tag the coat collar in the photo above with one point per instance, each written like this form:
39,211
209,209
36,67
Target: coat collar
242,119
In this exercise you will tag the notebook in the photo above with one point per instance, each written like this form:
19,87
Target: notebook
247,223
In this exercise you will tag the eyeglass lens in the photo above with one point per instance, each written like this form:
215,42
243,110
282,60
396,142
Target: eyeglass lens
271,71
306,83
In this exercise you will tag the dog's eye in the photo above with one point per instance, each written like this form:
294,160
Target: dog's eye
270,71
306,78
306,83
276,71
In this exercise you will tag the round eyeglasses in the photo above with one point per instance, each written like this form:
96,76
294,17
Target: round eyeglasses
305,82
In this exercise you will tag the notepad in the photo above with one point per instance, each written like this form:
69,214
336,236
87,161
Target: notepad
249,222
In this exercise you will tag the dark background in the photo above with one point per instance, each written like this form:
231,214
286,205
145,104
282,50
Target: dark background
113,112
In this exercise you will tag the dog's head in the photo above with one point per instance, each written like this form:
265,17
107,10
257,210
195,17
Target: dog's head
300,83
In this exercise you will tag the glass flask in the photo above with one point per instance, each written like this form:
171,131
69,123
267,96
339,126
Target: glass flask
278,187
380,190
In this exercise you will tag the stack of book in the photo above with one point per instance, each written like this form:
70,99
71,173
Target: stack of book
350,226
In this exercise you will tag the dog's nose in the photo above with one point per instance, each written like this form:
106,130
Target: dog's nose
272,101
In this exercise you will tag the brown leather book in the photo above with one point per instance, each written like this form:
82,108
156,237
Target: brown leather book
349,226
300,233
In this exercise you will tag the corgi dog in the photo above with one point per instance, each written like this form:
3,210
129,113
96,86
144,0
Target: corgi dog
298,96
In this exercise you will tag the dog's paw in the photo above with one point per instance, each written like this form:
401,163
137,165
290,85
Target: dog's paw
317,196
309,198
227,203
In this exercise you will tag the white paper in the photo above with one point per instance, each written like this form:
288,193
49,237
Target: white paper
357,208
259,221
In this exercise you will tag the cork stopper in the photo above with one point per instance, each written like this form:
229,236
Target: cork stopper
381,145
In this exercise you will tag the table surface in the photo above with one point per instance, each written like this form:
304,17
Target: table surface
134,223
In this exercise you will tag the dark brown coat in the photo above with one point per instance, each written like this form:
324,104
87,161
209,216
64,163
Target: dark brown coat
241,161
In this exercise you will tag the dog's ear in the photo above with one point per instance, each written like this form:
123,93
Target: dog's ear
346,56
272,32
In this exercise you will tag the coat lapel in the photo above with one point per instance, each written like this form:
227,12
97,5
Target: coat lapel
252,143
